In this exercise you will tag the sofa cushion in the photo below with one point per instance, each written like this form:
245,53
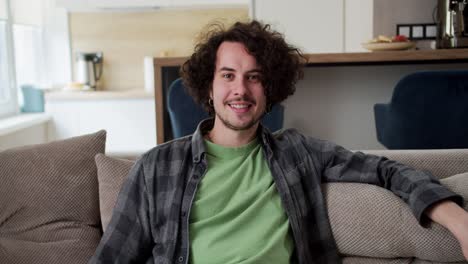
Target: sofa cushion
49,210
441,163
371,221
112,172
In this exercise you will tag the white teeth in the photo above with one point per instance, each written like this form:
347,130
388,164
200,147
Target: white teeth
239,106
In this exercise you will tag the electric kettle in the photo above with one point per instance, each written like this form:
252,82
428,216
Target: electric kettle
452,24
89,69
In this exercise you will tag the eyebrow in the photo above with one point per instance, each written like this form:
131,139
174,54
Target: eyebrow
232,70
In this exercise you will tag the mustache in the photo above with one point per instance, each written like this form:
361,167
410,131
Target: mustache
241,99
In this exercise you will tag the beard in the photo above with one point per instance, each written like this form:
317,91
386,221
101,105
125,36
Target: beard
223,115
245,126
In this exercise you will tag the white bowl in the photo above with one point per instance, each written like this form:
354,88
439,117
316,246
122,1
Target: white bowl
389,46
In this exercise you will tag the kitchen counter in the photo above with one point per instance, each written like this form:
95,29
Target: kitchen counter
167,69
127,116
97,95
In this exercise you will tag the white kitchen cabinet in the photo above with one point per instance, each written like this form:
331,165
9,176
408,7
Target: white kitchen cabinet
319,26
129,122
359,24
313,26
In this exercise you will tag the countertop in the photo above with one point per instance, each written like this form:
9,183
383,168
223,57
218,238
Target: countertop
97,95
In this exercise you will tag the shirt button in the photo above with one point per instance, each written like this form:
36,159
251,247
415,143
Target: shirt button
181,259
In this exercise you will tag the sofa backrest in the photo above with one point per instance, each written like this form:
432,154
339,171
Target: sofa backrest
441,163
49,210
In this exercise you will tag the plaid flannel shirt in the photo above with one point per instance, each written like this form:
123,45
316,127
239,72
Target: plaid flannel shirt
150,222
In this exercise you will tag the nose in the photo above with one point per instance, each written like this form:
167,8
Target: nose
241,87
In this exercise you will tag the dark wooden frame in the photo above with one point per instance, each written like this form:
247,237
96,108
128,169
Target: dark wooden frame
166,71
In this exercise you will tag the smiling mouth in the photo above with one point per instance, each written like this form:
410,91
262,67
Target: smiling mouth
240,107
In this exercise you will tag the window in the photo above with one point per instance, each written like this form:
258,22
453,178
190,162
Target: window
4,80
8,104
28,53
28,56
28,31
21,50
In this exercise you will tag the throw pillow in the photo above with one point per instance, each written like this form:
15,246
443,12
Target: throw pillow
112,172
49,210
370,221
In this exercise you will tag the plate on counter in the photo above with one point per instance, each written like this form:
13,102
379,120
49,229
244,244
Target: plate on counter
389,46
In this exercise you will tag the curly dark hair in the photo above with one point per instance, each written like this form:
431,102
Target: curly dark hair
281,64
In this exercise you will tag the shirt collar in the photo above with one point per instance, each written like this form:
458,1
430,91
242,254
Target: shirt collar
198,145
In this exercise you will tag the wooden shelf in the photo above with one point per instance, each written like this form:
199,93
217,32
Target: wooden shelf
362,58
388,57
166,70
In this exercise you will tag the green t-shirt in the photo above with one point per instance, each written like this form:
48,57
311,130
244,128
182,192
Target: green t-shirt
237,216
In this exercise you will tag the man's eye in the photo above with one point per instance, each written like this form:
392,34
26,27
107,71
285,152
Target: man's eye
228,76
254,78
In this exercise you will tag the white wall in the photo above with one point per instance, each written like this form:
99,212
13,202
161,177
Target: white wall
336,103
389,13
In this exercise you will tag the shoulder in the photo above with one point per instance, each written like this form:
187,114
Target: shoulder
172,150
292,138
163,160
292,143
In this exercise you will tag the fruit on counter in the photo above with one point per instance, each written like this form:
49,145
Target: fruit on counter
73,86
385,39
400,38
381,39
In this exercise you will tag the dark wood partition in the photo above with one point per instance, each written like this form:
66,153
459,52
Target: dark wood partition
167,70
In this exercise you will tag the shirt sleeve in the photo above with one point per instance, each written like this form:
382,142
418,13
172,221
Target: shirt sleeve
419,189
127,238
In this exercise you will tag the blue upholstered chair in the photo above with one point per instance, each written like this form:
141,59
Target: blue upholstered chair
428,110
185,114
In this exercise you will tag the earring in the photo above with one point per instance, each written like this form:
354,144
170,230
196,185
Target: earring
210,102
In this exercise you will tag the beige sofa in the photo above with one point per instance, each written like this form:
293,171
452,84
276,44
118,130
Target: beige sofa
57,197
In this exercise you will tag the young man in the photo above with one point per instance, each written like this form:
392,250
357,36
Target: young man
235,193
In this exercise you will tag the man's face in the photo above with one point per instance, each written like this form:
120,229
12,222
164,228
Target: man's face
238,94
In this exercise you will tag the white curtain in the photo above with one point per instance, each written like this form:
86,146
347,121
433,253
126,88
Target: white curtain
27,12
3,9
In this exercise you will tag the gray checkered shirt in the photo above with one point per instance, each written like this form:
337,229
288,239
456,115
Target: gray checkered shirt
150,222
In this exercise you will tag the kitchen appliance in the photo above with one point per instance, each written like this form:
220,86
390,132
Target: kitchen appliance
452,24
89,69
